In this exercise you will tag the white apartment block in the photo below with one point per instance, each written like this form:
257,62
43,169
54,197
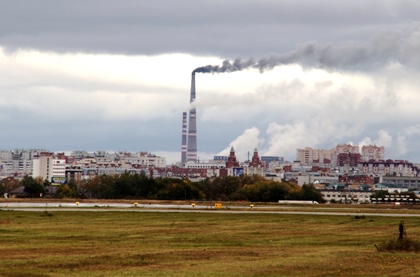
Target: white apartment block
47,167
145,159
16,167
389,167
119,159
18,161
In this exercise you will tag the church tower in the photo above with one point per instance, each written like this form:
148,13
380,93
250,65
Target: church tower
232,162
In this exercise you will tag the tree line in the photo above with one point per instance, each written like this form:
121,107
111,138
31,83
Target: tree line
139,186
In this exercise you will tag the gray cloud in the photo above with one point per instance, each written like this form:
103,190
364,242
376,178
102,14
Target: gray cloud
353,36
226,29
402,47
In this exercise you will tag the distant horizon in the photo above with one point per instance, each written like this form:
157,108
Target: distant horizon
173,157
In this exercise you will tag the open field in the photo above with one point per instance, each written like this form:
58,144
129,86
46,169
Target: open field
106,243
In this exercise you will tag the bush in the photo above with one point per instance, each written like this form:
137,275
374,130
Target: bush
405,244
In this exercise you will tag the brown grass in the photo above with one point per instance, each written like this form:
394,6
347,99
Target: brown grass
199,244
405,244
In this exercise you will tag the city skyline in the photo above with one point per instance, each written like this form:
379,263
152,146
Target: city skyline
118,77
305,155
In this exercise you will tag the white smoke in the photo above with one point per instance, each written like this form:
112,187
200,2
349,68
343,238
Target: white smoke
244,144
384,139
321,108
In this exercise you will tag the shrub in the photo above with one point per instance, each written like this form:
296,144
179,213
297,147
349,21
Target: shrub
405,244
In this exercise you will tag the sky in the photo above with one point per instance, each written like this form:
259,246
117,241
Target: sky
116,75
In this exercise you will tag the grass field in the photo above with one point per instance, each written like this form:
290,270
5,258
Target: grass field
66,243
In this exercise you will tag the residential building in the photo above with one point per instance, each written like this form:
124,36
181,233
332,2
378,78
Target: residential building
48,167
17,162
309,155
388,167
348,160
373,152
274,160
347,148
406,182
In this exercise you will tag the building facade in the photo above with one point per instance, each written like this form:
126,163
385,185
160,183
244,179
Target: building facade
388,167
48,167
373,152
18,162
309,155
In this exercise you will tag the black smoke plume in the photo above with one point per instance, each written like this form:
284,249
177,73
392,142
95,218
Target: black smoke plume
401,47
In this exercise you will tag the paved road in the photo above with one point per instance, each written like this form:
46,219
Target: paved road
121,207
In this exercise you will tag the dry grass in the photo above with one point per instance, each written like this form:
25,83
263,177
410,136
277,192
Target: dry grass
199,244
406,244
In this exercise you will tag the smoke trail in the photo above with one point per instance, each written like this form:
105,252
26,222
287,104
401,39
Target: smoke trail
400,46
227,66
309,54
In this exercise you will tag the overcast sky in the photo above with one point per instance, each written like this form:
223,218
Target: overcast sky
116,75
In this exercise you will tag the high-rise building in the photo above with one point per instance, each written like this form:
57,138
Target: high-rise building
48,167
348,160
373,152
347,148
17,162
309,155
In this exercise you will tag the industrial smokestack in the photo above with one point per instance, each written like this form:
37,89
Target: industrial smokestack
192,126
184,138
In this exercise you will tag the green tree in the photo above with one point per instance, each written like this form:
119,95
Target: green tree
32,187
223,188
203,186
147,187
68,190
268,191
101,187
308,192
380,194
252,192
125,186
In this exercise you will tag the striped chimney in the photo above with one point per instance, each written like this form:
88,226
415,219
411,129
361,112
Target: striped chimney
192,126
184,138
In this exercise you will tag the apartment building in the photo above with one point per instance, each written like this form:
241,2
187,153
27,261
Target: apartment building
309,155
388,167
348,160
116,159
345,156
48,167
406,182
373,152
17,162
